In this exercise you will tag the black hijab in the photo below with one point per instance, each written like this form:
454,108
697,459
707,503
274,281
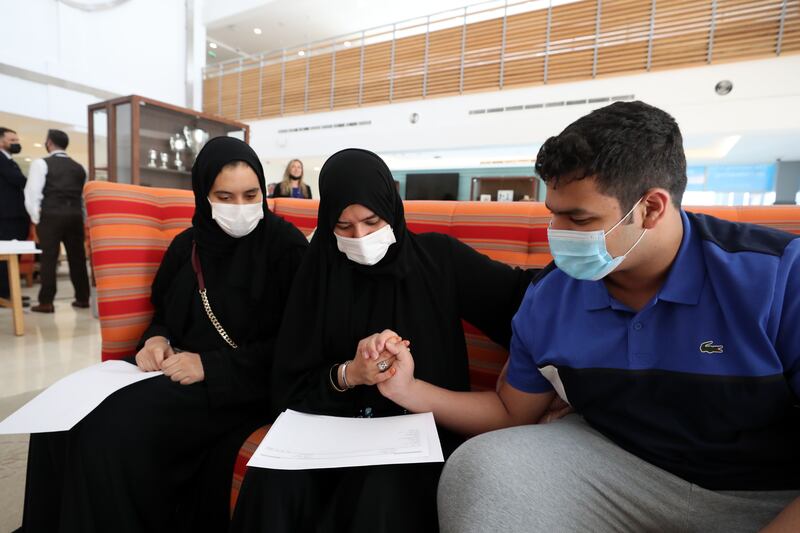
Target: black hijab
244,255
335,302
237,271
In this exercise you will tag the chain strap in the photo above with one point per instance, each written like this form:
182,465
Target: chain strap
214,321
201,285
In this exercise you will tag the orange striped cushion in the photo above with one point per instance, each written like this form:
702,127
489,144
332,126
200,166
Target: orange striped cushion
240,467
301,213
130,227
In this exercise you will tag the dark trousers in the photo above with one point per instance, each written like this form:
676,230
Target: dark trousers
53,229
11,228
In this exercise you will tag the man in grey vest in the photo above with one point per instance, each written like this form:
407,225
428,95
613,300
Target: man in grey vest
53,198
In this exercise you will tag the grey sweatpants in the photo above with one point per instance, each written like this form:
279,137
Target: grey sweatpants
565,476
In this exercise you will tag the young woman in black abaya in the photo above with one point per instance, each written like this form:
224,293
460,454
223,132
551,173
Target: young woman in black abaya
158,455
365,279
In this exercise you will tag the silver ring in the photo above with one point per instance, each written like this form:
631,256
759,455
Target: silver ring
383,366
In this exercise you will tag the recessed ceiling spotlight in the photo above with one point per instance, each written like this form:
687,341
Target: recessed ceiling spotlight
37,145
348,44
27,159
212,45
301,53
257,31
724,87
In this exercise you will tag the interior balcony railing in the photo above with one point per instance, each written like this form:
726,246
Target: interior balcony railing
496,45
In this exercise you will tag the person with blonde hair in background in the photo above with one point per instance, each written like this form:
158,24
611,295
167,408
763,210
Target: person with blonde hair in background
292,185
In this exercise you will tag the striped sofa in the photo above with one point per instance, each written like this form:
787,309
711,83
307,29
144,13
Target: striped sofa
130,227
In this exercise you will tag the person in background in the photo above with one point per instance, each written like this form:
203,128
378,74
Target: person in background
292,185
54,201
14,222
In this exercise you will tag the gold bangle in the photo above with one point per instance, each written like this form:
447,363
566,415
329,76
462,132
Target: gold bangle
332,373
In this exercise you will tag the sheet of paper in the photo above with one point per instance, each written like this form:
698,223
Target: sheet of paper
67,401
299,441
18,247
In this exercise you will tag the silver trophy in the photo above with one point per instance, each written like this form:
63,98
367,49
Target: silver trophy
164,160
177,144
195,139
153,156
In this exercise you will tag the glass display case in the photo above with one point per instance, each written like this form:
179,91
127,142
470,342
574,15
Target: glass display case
138,140
505,188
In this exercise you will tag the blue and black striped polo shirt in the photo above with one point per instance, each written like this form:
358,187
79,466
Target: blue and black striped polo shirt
704,380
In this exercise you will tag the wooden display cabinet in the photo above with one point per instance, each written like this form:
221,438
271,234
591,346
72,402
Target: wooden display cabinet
123,131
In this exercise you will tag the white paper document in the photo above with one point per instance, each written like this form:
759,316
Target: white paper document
67,401
18,247
299,441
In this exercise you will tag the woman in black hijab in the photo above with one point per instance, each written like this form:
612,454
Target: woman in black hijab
365,273
158,455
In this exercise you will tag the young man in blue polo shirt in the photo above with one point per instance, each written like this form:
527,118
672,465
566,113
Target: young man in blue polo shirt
675,337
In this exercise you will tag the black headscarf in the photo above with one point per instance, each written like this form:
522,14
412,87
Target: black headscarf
335,302
245,255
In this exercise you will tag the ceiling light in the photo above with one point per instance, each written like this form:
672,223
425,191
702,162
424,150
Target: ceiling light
301,53
317,169
257,31
28,159
37,145
212,45
348,44
717,150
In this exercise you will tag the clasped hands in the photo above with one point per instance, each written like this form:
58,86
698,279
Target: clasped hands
396,382
181,367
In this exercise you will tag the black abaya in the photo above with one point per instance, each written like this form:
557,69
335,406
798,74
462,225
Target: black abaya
422,289
158,456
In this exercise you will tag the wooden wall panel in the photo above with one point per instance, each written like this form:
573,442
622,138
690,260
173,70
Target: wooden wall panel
525,47
271,90
624,31
211,95
230,94
482,49
444,62
791,29
251,74
348,64
681,33
746,28
409,62
572,40
294,86
319,82
377,67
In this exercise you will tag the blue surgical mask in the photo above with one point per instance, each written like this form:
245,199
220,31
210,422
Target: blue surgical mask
583,254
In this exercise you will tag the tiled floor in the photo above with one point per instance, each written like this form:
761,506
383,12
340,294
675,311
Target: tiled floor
53,346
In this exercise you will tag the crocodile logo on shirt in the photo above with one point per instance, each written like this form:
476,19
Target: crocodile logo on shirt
710,347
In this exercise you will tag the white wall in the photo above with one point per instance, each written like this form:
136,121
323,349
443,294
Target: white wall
764,103
136,48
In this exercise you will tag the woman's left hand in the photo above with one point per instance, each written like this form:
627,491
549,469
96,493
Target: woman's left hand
184,368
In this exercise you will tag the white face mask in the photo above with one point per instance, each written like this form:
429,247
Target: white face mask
237,220
369,249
